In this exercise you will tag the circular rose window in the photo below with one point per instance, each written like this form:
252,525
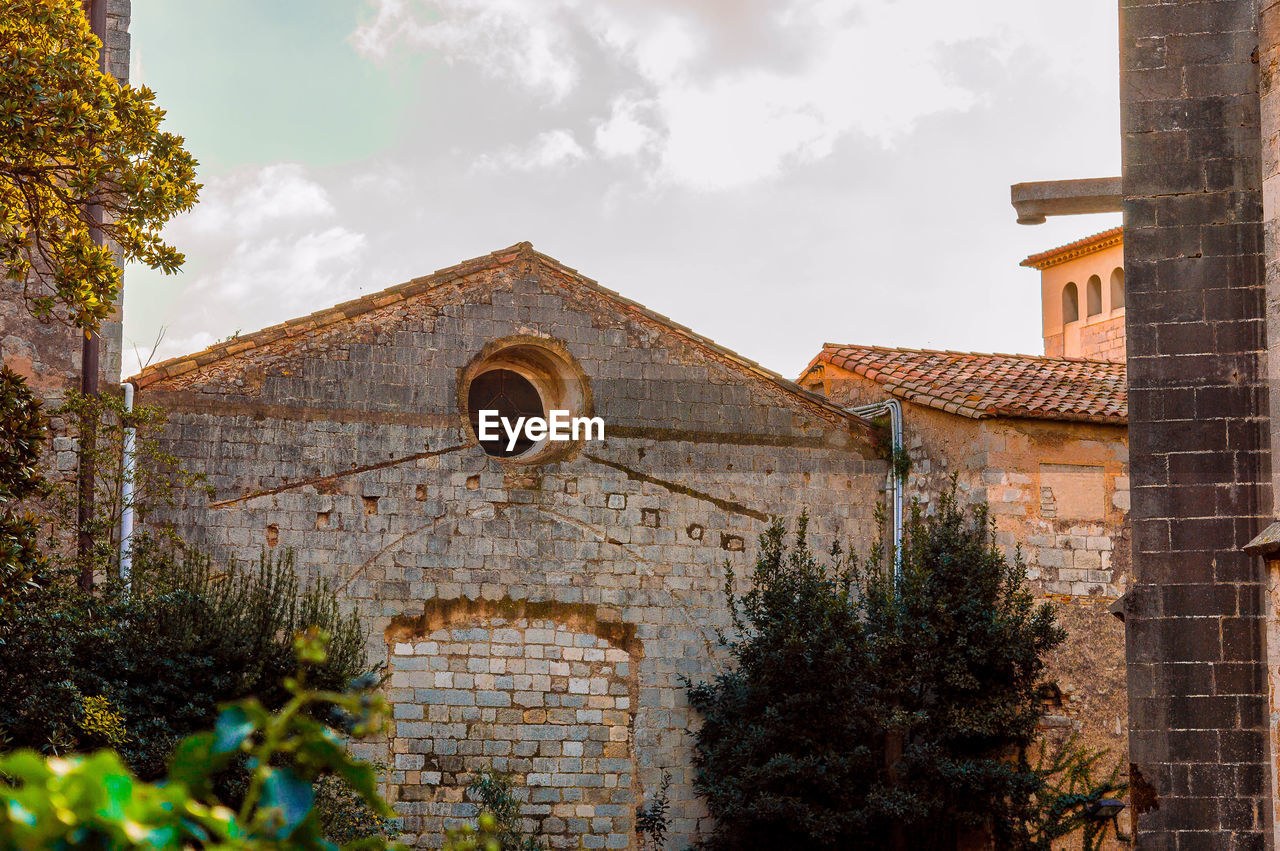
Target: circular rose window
512,398
514,385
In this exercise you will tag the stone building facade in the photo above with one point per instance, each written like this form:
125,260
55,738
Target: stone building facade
1042,443
537,613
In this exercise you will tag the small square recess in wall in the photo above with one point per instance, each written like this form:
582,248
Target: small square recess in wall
1078,489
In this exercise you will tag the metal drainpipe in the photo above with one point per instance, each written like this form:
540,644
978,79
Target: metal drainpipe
893,487
128,462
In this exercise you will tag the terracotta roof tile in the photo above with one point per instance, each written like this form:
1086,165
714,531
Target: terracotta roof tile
992,385
1072,250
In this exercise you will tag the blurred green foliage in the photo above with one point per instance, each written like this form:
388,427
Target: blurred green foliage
96,802
496,795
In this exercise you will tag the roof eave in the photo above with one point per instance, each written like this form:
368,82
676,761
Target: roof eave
909,393
177,366
1075,250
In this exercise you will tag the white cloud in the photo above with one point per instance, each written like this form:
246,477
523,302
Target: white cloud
381,179
287,273
511,38
551,149
628,130
269,247
246,202
721,95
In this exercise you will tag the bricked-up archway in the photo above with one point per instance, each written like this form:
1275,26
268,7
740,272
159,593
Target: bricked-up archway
549,700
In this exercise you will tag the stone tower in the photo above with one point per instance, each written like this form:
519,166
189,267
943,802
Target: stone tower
1198,138
1082,297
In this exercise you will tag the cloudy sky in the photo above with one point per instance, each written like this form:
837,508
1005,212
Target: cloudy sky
773,173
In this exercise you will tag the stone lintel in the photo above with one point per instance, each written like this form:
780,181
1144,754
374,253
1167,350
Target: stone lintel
1036,200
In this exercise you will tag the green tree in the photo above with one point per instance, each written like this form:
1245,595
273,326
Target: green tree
72,139
160,657
786,756
22,435
497,799
159,480
868,710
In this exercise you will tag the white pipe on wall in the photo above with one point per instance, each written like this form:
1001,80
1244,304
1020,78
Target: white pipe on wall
128,462
894,488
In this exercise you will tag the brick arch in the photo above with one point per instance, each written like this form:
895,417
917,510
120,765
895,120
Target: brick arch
546,692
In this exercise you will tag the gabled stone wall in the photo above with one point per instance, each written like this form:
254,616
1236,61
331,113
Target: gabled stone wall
520,587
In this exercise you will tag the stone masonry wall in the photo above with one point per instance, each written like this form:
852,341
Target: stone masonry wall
1269,92
1101,340
533,697
1059,493
347,445
1058,490
1198,428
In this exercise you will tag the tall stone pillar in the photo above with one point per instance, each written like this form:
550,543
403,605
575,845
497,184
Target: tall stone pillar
1267,545
1198,423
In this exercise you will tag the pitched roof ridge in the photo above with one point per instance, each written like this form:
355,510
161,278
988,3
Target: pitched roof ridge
700,339
325,316
182,364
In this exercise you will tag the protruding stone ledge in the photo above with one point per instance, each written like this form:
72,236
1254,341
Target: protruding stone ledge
1267,544
1037,200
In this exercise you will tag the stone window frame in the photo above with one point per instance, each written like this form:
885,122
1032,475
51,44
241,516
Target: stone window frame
554,372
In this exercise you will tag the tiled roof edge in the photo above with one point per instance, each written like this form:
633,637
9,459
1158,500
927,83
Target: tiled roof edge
910,394
355,307
1081,247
